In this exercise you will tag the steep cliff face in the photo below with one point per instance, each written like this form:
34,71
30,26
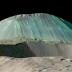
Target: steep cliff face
43,34
38,26
36,49
19,51
51,49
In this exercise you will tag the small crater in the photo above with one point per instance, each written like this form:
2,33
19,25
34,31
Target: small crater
43,70
62,59
68,66
60,69
35,39
70,60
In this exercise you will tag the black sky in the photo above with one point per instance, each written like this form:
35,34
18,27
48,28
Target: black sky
60,8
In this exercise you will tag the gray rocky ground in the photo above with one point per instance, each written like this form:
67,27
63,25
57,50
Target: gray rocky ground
35,64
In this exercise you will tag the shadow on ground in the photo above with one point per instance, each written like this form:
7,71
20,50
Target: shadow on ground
19,50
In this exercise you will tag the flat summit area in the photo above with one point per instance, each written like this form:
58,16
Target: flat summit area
35,64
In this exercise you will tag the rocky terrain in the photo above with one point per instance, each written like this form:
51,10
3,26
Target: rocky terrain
35,64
